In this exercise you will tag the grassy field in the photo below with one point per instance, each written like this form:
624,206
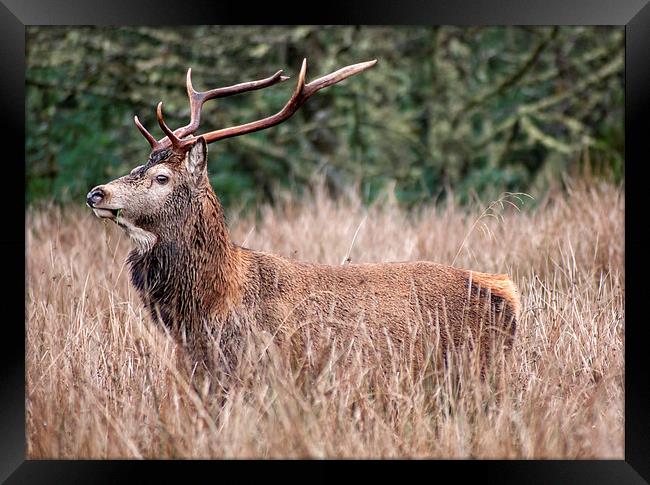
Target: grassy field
103,381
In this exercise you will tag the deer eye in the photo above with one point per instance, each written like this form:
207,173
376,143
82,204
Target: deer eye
162,179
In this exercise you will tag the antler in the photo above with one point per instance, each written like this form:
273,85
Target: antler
183,137
196,102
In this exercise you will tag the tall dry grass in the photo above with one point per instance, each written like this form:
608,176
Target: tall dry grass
103,382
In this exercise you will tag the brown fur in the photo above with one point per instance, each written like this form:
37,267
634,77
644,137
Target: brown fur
210,293
502,286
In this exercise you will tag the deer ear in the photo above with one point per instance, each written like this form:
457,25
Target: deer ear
197,159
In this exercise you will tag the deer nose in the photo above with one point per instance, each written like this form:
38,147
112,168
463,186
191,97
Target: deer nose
95,196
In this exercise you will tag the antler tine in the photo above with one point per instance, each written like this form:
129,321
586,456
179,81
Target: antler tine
152,141
300,85
175,141
197,98
299,96
337,76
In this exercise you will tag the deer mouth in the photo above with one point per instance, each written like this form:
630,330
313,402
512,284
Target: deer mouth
106,213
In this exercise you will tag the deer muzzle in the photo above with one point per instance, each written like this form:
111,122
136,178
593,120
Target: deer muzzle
95,200
95,196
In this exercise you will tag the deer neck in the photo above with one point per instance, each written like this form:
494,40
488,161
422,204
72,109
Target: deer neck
194,270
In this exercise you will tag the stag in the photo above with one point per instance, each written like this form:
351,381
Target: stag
208,292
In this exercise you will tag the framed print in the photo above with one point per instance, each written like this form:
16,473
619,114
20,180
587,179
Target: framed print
383,233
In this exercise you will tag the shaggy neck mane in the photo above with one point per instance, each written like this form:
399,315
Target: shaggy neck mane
193,271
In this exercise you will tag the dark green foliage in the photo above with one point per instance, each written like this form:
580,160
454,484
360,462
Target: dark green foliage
475,110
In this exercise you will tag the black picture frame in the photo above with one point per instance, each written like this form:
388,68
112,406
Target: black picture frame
15,15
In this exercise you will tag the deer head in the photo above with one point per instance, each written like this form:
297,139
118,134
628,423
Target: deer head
159,195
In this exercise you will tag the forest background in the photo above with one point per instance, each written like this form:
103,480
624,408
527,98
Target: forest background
447,110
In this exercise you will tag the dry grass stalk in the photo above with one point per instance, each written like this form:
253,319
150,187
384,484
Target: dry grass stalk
103,382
